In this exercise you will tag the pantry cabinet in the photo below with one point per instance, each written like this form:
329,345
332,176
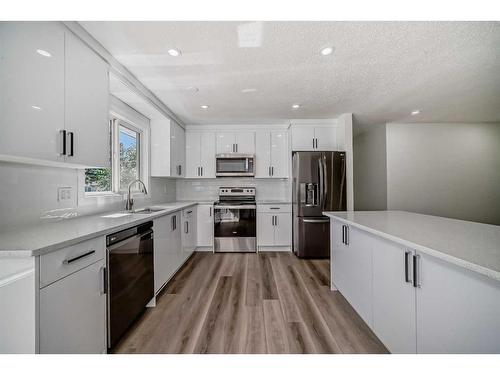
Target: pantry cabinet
200,155
236,142
168,149
54,96
272,154
325,137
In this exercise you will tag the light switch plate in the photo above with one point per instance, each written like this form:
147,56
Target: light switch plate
64,193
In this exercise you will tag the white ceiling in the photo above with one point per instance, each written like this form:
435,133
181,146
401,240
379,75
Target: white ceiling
380,71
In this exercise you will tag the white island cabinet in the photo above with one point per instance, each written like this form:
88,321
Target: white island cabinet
434,283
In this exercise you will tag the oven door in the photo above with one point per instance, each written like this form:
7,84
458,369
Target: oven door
235,229
234,165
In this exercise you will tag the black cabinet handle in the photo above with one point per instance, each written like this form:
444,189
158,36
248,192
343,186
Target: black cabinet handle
71,260
63,138
71,144
407,267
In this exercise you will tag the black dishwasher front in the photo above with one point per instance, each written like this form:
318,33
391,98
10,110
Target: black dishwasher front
130,277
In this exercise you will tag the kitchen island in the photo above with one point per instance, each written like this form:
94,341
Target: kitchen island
424,284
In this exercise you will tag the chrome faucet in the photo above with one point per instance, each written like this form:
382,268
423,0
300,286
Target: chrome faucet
130,200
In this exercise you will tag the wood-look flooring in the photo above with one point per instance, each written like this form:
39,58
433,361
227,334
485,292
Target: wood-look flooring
250,303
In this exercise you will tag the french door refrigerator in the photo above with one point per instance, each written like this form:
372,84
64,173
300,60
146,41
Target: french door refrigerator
319,184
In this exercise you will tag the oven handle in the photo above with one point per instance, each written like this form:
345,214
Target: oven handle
130,239
235,207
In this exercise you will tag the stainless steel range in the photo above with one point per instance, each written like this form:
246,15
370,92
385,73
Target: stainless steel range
235,220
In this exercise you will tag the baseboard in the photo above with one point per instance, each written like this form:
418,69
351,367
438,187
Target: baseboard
205,249
274,248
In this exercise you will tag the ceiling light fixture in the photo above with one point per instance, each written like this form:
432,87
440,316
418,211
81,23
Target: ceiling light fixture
192,89
415,112
204,106
174,52
248,90
327,51
43,53
36,107
296,106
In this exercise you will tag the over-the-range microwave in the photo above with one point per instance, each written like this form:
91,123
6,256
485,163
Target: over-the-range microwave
234,165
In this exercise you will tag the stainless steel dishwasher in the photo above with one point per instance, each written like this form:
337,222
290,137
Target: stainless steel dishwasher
130,279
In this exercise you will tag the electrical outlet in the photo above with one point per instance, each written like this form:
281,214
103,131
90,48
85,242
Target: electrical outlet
64,193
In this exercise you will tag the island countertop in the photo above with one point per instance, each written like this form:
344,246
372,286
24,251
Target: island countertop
470,245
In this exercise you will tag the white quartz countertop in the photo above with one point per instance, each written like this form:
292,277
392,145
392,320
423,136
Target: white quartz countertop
44,238
470,245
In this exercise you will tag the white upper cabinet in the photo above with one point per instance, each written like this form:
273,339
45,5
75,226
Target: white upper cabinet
236,142
168,145
54,96
272,154
86,105
325,137
32,89
200,155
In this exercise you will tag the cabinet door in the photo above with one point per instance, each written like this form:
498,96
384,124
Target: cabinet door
303,138
188,231
207,155
352,271
326,138
225,143
458,311
162,250
283,229
393,297
340,135
177,150
193,151
245,143
73,313
265,229
279,154
160,147
205,225
262,154
31,89
86,104
339,257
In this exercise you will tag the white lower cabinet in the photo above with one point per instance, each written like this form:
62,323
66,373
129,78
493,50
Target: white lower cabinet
167,248
352,269
274,225
188,231
73,313
205,225
458,311
393,296
419,303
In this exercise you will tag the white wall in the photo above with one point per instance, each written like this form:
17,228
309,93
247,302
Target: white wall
450,170
370,172
29,195
208,189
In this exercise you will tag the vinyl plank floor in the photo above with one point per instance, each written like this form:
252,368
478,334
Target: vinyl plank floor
250,303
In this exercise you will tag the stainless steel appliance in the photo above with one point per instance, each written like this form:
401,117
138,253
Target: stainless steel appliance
319,184
231,165
235,220
130,278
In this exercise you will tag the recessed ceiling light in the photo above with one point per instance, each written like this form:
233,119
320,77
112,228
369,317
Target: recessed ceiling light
327,51
296,106
36,107
415,112
192,89
248,90
174,52
43,53
204,106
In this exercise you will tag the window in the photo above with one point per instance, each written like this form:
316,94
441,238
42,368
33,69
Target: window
125,157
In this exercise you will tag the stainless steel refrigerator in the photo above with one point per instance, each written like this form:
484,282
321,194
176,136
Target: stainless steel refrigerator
319,184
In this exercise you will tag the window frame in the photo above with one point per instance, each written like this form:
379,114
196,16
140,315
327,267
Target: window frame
141,127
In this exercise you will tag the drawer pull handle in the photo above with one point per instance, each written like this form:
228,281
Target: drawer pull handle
71,260
189,212
274,208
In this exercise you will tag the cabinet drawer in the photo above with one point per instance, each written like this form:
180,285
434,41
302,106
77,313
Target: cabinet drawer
274,208
61,263
188,212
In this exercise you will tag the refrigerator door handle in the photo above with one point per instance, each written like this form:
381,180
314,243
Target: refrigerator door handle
325,184
316,221
321,182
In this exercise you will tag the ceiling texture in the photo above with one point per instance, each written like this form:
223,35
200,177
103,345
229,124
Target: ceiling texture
253,72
